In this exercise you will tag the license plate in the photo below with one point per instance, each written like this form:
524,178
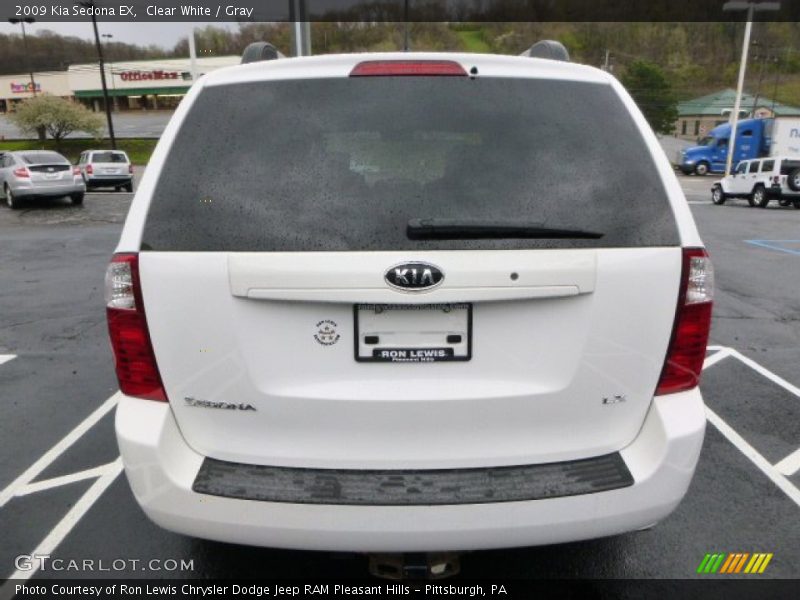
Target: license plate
110,171
52,175
413,333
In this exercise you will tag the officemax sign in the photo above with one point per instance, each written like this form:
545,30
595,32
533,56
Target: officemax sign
149,75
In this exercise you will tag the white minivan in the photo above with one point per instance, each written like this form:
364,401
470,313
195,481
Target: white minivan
106,168
409,302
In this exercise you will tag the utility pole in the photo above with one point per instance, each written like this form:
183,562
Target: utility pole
750,7
775,87
90,4
405,24
760,78
192,56
115,101
28,20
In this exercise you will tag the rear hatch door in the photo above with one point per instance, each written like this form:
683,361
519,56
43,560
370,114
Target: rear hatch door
265,272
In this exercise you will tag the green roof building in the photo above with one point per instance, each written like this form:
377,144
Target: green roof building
698,116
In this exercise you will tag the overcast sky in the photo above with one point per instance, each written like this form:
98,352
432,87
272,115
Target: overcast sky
161,34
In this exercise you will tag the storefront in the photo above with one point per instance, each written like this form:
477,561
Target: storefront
16,88
140,85
136,85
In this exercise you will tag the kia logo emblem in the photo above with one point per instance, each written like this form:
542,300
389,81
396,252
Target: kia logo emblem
414,276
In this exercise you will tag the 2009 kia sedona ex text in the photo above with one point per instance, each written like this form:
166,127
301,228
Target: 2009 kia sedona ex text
408,302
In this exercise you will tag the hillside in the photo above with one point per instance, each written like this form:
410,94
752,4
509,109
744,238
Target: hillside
697,57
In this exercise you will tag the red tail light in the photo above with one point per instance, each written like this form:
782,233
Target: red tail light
76,170
89,169
687,348
130,169
394,68
22,172
135,362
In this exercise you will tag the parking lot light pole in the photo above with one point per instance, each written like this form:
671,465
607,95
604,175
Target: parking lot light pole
90,4
750,7
298,14
22,22
115,101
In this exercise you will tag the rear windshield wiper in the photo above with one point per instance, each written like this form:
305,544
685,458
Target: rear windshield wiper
478,229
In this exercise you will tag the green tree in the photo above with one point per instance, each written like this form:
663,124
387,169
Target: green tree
55,116
653,93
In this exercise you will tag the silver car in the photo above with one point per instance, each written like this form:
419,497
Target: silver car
38,174
106,168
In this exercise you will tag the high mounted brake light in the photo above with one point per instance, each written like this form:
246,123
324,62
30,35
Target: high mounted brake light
687,347
406,68
134,359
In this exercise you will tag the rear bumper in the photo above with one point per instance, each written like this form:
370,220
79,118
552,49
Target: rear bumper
162,469
108,180
45,191
777,191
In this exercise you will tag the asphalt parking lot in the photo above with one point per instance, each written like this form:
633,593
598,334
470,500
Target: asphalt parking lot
132,124
62,494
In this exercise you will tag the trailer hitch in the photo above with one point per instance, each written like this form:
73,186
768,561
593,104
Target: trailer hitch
415,566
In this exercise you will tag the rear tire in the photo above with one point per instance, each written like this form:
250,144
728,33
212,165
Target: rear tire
701,169
77,199
784,202
128,187
12,202
793,180
760,196
796,204
717,195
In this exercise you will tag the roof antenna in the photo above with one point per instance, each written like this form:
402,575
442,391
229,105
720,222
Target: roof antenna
405,21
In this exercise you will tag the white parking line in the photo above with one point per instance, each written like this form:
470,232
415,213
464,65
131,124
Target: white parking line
755,457
40,486
4,358
789,465
773,472
48,457
22,486
715,358
777,379
60,531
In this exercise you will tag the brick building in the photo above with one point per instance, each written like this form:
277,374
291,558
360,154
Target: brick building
698,116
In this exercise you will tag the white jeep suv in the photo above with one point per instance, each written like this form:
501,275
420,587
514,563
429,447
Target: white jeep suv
409,302
760,180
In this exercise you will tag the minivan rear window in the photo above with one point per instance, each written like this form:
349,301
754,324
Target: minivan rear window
346,163
109,157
